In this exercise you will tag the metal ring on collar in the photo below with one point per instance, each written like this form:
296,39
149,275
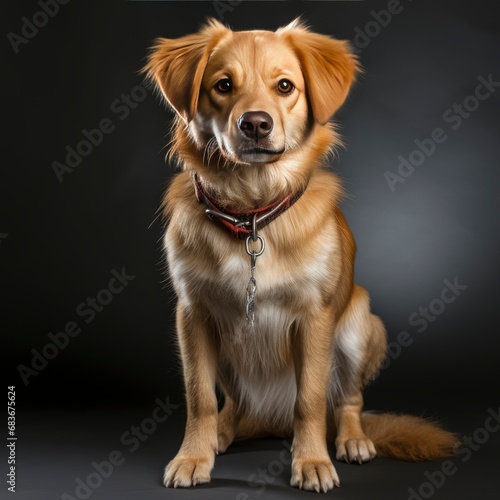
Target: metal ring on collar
253,252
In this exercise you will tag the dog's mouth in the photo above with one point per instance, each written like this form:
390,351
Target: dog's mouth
255,154
249,153
264,151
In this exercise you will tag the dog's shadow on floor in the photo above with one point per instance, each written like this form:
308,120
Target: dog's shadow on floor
270,445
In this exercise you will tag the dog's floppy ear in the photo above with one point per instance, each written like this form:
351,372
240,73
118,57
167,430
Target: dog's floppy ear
328,65
177,66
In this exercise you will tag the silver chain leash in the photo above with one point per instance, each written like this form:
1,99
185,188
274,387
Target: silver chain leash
252,283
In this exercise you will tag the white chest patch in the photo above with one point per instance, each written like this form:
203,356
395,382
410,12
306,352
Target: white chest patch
257,357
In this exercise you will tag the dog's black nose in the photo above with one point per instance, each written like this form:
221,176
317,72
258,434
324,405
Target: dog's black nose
256,124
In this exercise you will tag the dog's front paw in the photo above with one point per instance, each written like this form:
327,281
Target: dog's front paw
314,475
185,471
355,450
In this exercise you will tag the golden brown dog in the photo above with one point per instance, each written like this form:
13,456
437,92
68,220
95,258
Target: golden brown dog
262,259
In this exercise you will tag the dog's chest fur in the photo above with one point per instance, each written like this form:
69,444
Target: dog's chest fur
285,287
257,359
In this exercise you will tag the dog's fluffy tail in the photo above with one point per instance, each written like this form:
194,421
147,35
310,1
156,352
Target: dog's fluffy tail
405,437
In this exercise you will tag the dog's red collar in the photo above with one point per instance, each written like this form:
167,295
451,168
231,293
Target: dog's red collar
240,225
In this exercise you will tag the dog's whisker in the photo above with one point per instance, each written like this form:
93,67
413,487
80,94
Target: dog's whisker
209,151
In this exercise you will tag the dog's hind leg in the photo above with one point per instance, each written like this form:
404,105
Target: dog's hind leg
359,351
351,442
226,424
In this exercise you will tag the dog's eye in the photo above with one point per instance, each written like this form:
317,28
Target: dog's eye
223,86
285,86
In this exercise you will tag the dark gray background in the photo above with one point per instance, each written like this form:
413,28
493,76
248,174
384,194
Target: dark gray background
65,238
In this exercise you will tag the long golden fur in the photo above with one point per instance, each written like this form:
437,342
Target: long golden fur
301,368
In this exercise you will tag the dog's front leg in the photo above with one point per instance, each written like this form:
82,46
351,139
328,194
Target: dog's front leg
195,459
312,468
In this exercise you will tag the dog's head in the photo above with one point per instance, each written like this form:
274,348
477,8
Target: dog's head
253,96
